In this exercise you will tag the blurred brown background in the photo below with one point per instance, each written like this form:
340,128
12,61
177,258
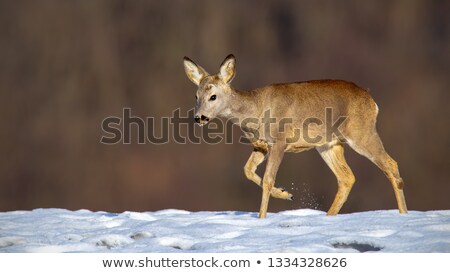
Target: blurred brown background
67,65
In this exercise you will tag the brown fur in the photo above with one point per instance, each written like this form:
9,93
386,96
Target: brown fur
297,101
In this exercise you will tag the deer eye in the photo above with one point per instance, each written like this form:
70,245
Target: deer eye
196,97
213,97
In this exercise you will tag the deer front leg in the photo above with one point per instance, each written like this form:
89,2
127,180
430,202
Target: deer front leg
276,153
256,158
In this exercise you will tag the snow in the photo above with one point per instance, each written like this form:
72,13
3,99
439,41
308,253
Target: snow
304,230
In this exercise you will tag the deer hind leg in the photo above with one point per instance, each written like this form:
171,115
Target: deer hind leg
256,158
334,157
371,147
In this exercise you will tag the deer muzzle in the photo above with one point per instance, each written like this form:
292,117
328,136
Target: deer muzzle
201,119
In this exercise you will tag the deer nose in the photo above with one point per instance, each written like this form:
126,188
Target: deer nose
201,118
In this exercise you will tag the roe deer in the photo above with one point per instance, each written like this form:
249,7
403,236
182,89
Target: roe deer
297,102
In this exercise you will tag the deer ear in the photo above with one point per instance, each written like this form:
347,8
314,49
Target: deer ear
228,68
194,72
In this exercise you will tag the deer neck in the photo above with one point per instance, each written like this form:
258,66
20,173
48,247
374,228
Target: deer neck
242,105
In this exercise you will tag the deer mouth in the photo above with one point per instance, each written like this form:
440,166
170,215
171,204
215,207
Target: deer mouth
202,123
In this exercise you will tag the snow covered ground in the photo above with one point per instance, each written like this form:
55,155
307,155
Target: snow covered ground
58,230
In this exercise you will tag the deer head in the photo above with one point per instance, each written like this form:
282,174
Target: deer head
214,92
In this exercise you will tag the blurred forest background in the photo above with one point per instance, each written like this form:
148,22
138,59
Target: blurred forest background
67,65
